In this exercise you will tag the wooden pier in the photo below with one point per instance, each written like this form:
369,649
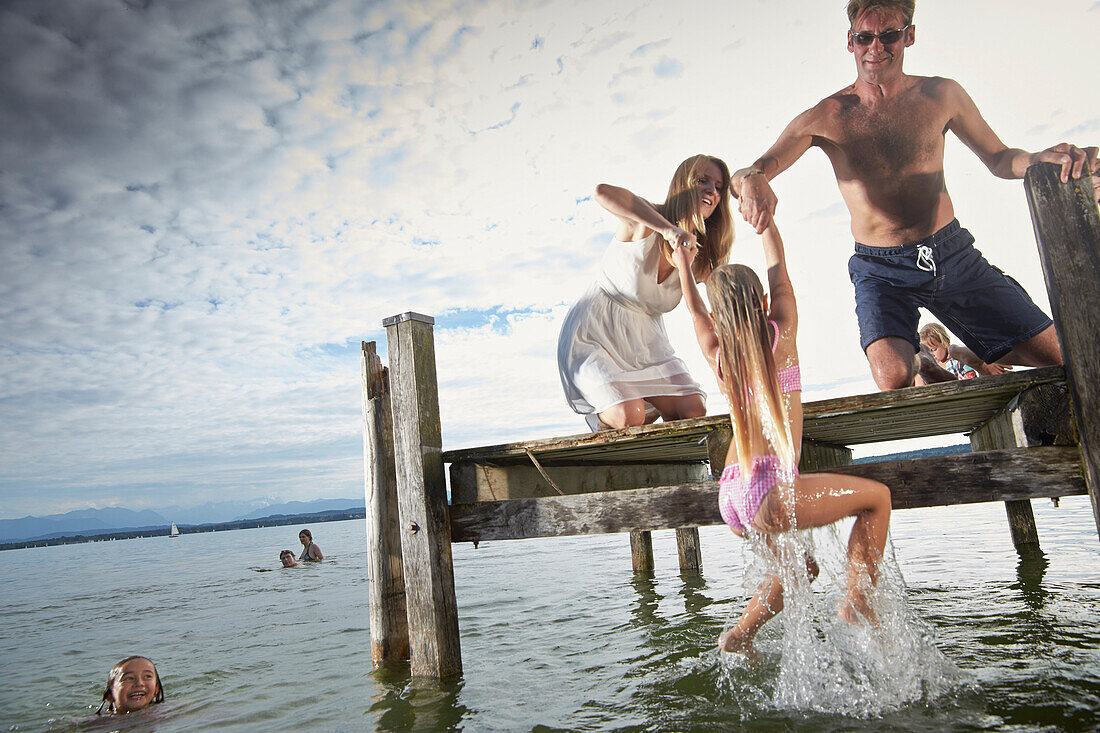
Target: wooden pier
1033,434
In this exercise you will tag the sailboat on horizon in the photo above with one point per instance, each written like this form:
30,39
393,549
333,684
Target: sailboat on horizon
175,532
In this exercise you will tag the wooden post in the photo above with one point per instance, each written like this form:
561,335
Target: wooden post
422,498
389,626
688,550
641,550
1067,230
1040,415
823,456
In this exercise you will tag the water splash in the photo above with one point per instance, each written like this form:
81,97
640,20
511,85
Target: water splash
808,659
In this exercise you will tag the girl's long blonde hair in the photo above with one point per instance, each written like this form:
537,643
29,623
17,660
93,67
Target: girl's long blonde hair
681,207
758,412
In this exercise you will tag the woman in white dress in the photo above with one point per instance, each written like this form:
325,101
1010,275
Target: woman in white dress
616,364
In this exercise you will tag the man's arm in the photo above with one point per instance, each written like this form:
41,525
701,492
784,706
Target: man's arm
751,185
1005,162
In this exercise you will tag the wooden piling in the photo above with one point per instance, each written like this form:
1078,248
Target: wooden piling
422,500
641,551
1067,230
688,550
389,627
1038,416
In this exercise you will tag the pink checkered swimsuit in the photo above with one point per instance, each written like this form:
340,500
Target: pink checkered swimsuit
739,500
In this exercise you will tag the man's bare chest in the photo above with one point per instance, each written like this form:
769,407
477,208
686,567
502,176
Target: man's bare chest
888,140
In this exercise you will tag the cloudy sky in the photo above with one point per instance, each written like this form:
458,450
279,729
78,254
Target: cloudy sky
205,206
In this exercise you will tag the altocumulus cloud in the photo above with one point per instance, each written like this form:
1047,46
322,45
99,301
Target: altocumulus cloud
205,205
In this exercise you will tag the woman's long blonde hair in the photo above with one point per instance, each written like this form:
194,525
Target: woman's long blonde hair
757,410
681,207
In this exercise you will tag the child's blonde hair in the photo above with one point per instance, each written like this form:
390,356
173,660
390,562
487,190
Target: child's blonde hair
935,332
757,411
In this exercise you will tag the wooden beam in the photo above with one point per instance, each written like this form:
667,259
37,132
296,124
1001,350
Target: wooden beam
422,500
389,627
1021,473
483,482
1067,230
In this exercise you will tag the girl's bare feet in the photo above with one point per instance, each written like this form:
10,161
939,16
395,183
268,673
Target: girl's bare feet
734,641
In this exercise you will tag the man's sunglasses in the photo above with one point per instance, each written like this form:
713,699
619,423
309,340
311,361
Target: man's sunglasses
863,38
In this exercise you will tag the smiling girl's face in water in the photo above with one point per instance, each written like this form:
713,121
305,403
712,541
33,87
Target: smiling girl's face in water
135,687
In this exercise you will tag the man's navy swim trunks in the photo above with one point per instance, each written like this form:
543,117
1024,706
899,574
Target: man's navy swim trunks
944,273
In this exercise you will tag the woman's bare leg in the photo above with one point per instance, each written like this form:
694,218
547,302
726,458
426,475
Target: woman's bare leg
679,408
625,414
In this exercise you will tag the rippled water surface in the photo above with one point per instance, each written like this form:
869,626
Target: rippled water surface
560,635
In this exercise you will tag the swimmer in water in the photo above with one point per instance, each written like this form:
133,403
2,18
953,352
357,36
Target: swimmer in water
286,557
310,551
133,684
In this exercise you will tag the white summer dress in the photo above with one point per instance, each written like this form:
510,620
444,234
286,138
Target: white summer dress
613,346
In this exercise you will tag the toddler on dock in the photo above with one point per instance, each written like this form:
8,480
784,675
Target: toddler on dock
750,344
959,360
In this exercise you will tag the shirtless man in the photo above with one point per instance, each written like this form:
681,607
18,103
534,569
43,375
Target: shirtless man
884,136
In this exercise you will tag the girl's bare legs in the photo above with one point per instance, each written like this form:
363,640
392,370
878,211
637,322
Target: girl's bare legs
823,498
767,602
633,412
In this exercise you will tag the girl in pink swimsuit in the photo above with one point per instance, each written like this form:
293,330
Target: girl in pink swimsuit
750,344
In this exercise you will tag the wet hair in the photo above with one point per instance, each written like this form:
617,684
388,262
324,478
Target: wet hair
286,552
307,533
758,412
681,207
905,7
115,673
935,332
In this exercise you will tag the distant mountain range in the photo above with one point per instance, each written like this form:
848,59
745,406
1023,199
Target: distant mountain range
114,519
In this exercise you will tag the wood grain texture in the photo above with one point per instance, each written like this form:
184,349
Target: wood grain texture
641,551
914,412
480,482
1021,473
389,628
688,550
421,488
1067,231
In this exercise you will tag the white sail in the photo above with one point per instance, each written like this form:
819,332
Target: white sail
175,531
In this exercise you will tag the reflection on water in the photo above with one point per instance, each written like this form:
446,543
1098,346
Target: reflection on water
558,635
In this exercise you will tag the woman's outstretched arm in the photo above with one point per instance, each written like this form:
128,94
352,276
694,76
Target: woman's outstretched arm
637,217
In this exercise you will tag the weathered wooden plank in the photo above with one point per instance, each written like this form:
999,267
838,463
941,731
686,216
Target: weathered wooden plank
481,482
422,502
938,409
1067,230
389,628
1021,473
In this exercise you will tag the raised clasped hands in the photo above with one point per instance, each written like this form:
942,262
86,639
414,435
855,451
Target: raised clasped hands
757,201
684,247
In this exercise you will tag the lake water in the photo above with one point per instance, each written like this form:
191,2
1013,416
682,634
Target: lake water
557,635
